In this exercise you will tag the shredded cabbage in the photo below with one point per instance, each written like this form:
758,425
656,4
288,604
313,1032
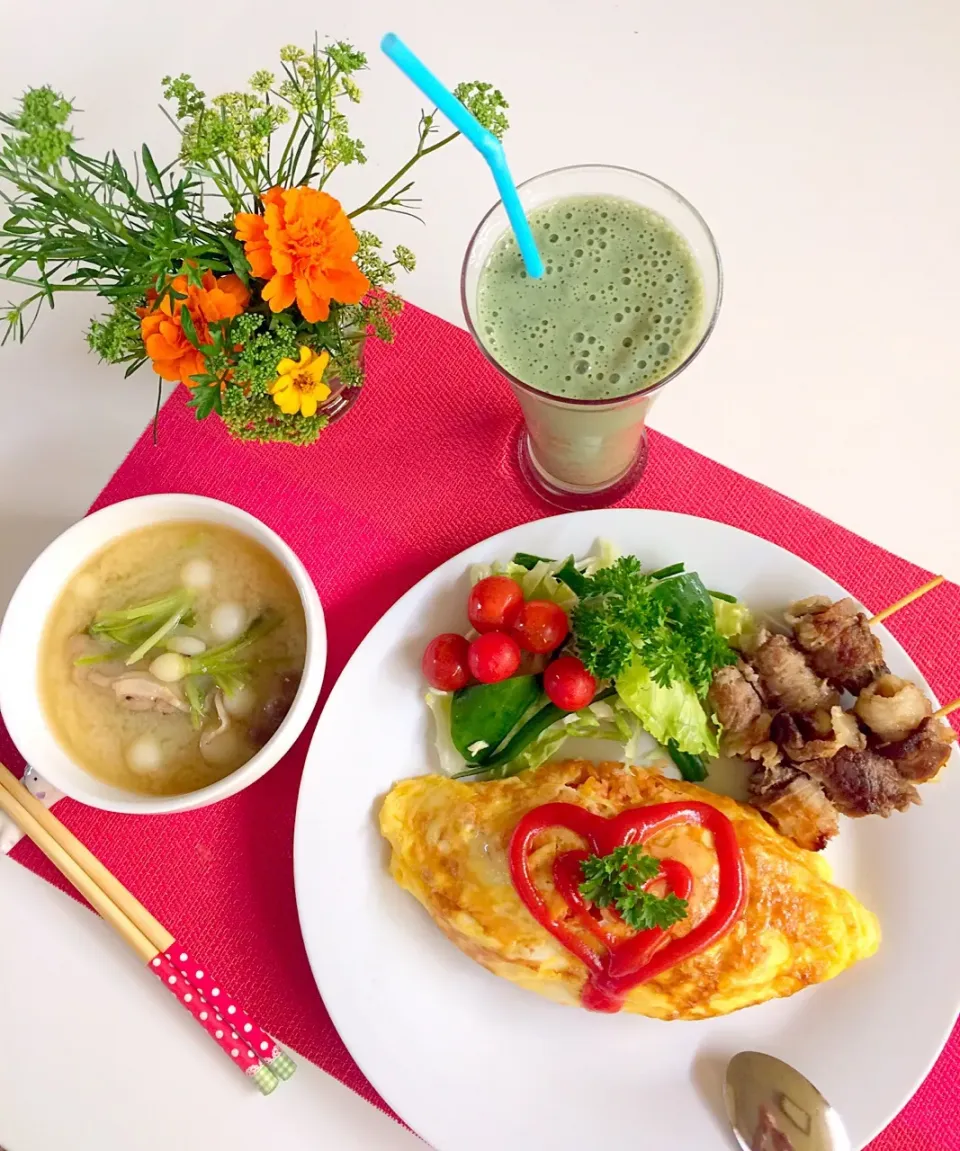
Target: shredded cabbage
450,760
596,721
537,583
540,582
733,619
606,554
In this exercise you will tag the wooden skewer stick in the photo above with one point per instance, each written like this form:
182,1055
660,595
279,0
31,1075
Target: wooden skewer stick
915,594
944,711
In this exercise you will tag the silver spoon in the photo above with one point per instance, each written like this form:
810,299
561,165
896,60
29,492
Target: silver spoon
772,1107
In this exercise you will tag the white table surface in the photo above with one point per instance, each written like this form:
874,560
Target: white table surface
819,141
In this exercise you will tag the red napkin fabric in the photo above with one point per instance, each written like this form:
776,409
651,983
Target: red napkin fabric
421,468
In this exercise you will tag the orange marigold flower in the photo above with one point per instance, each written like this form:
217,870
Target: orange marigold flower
305,246
174,357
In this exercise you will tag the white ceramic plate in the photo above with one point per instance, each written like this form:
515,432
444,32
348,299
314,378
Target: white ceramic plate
472,1062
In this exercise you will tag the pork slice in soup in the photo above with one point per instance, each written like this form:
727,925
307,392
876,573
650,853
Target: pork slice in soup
172,657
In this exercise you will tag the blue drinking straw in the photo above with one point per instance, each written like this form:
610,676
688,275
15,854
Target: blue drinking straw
483,140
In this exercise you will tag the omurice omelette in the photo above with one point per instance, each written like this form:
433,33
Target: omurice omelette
609,887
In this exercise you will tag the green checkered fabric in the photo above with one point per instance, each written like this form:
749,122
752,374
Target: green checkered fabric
265,1079
282,1065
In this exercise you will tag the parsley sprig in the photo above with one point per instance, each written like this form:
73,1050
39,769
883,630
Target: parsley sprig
667,622
617,879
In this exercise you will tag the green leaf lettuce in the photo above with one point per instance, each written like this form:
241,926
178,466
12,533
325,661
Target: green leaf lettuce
667,713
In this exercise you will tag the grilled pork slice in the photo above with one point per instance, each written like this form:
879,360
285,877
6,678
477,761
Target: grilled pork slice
795,805
862,783
920,756
786,679
838,641
739,710
818,735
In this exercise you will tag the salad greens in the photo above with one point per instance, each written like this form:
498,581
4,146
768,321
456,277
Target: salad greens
519,742
538,581
693,768
668,713
567,573
516,753
667,623
482,716
607,719
660,637
554,580
733,619
653,640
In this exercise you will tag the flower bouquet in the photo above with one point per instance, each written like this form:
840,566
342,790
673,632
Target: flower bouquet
233,269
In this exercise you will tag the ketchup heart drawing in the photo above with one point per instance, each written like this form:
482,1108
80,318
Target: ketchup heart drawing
626,962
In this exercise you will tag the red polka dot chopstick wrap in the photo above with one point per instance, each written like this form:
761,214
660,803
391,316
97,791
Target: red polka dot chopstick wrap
220,1006
250,1048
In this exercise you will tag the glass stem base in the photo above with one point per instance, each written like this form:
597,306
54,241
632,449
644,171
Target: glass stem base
337,406
571,499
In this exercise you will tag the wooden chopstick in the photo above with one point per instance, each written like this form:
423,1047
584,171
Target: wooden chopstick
66,845
13,805
239,1036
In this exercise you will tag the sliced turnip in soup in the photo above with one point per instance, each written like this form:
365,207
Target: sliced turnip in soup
240,703
145,755
86,585
197,574
227,621
228,750
185,644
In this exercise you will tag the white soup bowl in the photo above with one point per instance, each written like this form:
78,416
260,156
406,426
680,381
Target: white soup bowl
38,591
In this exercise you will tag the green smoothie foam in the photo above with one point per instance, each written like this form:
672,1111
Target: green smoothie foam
619,306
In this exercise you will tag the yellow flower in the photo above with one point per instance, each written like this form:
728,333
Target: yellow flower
299,387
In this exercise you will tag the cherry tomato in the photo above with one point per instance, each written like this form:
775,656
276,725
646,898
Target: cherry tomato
568,684
445,662
494,603
494,656
541,626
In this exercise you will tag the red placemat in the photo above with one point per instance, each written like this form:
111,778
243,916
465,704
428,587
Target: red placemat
422,468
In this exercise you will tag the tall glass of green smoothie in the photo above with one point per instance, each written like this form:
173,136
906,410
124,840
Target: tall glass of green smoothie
631,291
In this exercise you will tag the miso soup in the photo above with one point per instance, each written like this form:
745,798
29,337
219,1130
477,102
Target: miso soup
172,656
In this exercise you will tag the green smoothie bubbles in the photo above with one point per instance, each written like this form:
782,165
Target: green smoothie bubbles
630,293
617,309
